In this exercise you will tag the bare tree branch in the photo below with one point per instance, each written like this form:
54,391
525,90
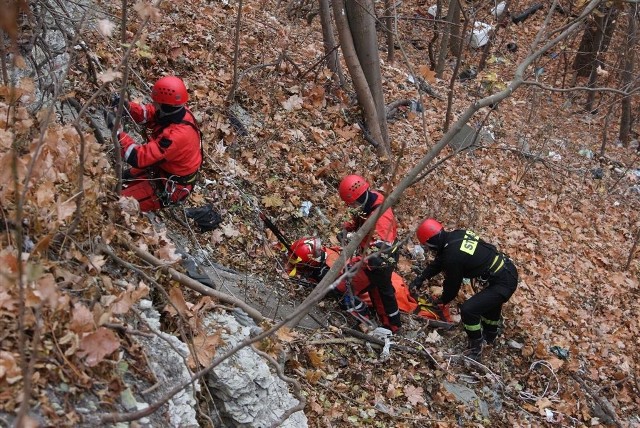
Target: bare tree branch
580,88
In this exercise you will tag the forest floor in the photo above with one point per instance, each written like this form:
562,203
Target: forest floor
537,189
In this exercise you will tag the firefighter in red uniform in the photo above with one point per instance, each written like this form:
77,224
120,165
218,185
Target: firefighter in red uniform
462,254
381,241
163,171
310,260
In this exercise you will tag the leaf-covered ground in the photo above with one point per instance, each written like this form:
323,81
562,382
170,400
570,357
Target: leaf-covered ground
569,353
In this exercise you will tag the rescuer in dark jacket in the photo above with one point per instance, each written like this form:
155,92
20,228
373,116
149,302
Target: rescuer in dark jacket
163,171
354,191
462,254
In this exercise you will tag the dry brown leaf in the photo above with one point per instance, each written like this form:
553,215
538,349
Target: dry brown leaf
127,298
542,404
272,201
229,231
105,27
65,210
414,394
556,363
205,346
7,302
177,300
316,357
392,391
427,74
147,10
9,369
95,346
168,253
285,334
95,263
315,407
109,76
347,132
294,102
81,319
47,290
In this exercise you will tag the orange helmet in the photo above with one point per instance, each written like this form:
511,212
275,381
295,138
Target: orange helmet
307,251
352,187
170,90
427,230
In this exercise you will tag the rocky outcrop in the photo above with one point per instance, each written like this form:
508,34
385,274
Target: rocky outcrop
247,393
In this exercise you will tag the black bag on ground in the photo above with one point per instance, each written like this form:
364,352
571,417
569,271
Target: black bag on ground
205,217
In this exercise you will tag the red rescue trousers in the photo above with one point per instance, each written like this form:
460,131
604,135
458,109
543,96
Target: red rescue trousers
153,194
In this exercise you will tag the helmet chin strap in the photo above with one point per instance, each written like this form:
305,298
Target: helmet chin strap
361,205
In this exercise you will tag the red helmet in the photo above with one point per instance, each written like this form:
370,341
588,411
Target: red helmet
351,188
306,250
170,90
428,229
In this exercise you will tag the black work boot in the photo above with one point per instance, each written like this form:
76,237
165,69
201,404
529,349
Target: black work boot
474,349
489,336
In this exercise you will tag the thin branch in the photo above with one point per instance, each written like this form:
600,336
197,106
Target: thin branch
632,250
236,54
580,88
195,285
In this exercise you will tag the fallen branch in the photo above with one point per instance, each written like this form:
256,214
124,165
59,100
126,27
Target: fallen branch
195,285
337,341
375,340
392,108
604,404
580,88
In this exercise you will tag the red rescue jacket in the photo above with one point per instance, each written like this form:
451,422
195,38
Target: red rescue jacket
386,228
175,149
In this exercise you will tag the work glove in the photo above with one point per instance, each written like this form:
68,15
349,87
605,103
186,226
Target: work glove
110,121
127,175
343,236
415,285
115,100
435,300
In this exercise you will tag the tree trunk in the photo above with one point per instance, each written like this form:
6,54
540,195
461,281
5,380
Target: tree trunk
455,38
365,98
626,79
389,10
605,24
595,39
329,41
362,24
446,36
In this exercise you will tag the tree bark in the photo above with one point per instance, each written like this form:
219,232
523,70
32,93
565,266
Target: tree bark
595,40
626,78
605,24
389,10
329,41
363,93
362,24
446,37
456,34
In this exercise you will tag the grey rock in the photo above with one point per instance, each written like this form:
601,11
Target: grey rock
247,393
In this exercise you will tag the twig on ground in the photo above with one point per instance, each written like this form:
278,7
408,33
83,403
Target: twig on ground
604,404
195,285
